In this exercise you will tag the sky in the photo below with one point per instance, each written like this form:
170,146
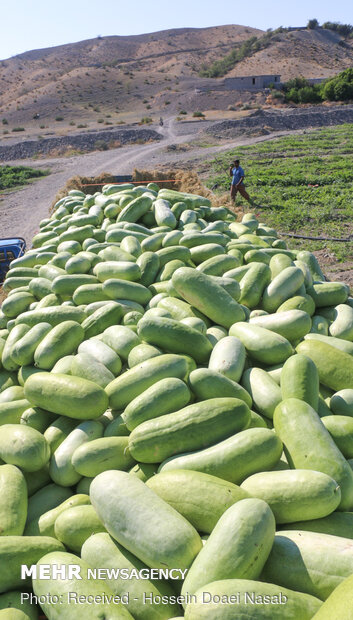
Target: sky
34,24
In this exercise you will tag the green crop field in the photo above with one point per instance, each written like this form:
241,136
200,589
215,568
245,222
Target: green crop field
304,182
13,176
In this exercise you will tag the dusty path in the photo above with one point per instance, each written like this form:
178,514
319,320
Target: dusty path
22,210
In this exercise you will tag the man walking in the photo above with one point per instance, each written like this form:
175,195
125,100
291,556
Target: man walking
237,173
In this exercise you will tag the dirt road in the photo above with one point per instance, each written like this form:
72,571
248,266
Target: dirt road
22,210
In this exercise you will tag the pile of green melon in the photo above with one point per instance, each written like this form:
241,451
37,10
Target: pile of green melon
176,394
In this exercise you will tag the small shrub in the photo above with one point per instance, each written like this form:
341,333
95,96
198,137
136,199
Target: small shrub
345,30
59,118
146,120
72,123
100,145
183,112
338,88
309,94
277,94
312,24
5,121
18,129
167,103
198,114
5,131
292,95
82,126
100,120
148,106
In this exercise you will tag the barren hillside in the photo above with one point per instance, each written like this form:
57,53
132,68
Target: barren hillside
103,82
312,53
109,79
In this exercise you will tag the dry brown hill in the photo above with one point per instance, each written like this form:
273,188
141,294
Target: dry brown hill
111,80
317,53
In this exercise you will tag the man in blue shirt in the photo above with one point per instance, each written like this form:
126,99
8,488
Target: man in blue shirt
237,173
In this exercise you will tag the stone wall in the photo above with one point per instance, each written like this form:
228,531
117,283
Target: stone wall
84,142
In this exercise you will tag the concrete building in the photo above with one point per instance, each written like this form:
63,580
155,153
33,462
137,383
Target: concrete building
251,82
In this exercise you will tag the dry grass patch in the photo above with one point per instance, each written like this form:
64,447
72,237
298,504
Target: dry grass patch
2,295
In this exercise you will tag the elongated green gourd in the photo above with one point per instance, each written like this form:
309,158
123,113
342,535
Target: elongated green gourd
308,445
142,522
104,607
207,296
237,547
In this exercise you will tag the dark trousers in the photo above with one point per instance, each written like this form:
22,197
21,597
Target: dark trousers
242,191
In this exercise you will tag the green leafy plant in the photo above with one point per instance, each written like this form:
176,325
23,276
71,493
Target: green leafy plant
304,182
337,88
13,176
345,30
